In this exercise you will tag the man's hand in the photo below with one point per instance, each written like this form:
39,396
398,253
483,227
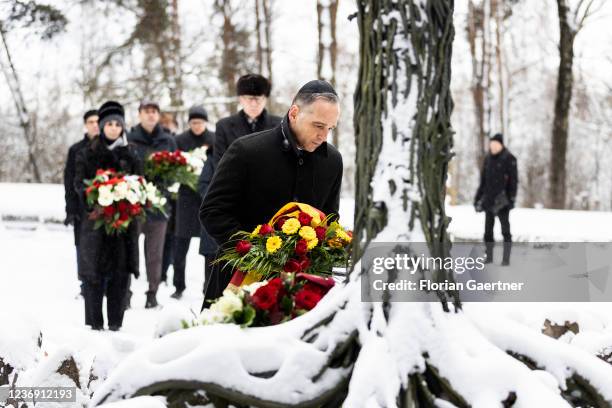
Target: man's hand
478,205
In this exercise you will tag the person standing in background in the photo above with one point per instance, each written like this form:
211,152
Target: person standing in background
74,209
146,138
188,202
496,194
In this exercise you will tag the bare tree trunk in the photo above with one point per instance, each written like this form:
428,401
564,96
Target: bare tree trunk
259,44
557,174
25,122
476,39
327,45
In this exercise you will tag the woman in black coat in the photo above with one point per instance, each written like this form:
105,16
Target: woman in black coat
108,260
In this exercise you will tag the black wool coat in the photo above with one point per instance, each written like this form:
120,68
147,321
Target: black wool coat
235,126
259,174
499,175
105,256
144,145
73,204
187,224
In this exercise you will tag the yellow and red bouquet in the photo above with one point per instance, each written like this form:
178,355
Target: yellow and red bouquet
298,239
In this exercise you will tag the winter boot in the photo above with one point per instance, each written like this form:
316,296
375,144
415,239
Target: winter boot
489,252
151,301
177,294
507,250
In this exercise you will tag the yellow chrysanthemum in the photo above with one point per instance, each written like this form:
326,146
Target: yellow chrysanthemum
256,231
308,233
312,243
335,242
273,243
340,233
291,226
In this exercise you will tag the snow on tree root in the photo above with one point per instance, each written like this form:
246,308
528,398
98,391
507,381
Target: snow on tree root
299,363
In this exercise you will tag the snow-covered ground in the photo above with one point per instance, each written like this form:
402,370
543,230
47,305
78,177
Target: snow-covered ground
38,285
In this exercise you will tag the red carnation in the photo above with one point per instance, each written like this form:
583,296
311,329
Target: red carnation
243,247
306,299
266,229
265,297
304,218
321,231
301,247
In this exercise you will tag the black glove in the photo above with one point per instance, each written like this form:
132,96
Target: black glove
70,219
478,205
511,205
136,274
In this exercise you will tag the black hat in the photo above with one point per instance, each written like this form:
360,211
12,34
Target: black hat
148,103
317,86
197,112
111,110
498,136
91,112
253,84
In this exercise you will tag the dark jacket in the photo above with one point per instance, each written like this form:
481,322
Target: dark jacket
259,174
145,144
208,245
499,176
232,127
74,208
187,224
105,255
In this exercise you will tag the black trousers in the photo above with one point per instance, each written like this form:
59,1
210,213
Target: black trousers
504,219
115,290
168,257
181,247
216,280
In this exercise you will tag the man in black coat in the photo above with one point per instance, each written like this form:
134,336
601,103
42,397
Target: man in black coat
74,209
496,194
262,172
146,138
253,92
188,202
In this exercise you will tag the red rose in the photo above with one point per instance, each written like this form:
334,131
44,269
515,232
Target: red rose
276,283
124,217
243,247
321,231
109,211
301,247
135,209
279,223
304,218
304,264
292,266
266,229
123,206
306,299
265,297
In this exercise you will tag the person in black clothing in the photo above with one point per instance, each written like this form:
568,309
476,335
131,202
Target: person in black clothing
146,138
496,194
107,260
262,172
253,92
74,209
188,202
168,122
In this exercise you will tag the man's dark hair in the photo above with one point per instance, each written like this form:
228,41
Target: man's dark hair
91,112
305,99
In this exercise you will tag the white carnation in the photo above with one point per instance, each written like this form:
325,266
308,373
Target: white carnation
105,196
227,304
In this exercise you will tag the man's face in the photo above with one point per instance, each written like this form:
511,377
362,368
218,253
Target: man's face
312,124
149,117
495,147
197,126
112,130
253,105
91,126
